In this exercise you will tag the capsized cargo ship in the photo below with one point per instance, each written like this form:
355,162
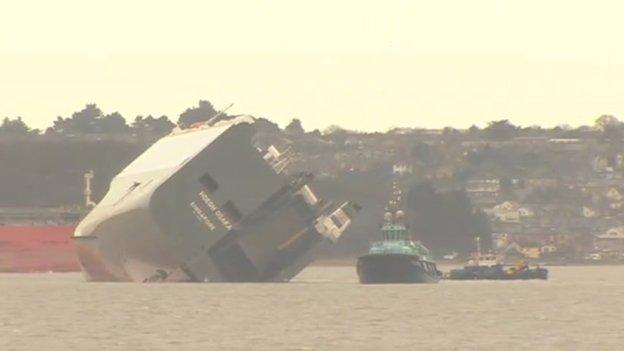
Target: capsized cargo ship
38,240
203,205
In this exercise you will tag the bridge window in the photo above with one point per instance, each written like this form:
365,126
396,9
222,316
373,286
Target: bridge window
209,183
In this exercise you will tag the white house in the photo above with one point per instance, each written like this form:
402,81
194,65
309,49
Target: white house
509,211
589,212
612,240
402,169
614,194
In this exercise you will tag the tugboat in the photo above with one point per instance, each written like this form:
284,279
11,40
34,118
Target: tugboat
489,267
397,259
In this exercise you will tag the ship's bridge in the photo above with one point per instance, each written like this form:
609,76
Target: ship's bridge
394,231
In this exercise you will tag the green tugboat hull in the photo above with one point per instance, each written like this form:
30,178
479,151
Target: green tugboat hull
396,269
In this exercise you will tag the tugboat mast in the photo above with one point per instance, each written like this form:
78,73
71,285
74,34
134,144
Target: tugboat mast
478,242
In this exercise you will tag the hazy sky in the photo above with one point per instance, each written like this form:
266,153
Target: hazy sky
361,64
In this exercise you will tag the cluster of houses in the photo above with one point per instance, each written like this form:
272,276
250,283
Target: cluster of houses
547,197
554,231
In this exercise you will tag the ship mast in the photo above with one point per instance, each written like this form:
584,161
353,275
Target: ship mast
395,216
88,176
478,243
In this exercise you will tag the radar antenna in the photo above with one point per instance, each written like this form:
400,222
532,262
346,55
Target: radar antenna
219,114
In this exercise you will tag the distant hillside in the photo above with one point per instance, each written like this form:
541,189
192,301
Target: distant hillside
47,172
451,175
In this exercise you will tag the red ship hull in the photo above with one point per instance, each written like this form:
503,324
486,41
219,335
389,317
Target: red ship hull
28,249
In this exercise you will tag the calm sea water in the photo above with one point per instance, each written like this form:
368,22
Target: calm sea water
580,308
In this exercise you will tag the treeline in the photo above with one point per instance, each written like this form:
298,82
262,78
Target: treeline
446,221
43,172
92,120
46,167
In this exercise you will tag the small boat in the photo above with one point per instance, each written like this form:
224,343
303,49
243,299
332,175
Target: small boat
489,267
396,258
521,271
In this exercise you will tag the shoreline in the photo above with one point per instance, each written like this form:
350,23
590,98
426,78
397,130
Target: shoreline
352,261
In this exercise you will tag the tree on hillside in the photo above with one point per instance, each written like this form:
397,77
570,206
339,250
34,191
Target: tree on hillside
111,124
152,126
15,127
612,134
423,153
446,131
334,129
82,121
315,133
610,128
532,131
263,125
605,121
336,133
203,112
90,120
474,131
577,133
294,127
445,221
451,136
500,130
